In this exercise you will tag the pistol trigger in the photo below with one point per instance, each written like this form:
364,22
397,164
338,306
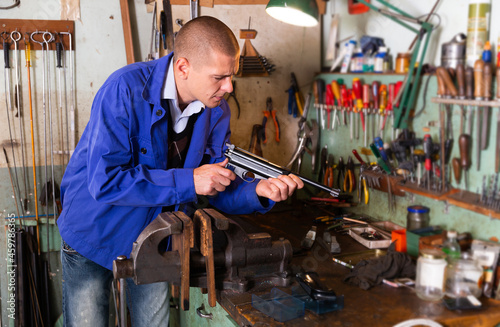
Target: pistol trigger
244,174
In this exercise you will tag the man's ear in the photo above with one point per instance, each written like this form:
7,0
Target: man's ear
182,67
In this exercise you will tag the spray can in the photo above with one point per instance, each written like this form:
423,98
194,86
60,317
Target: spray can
478,25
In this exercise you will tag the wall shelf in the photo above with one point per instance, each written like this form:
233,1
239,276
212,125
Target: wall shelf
475,103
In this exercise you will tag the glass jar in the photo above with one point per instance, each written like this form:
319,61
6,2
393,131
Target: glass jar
463,278
417,217
431,266
403,62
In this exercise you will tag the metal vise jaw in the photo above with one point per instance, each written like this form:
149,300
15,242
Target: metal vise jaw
209,251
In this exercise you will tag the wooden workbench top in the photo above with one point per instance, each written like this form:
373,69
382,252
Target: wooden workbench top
382,305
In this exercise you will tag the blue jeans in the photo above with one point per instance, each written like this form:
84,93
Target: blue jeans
87,289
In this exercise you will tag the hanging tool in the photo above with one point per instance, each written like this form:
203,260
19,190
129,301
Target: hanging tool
350,179
344,95
366,110
153,51
168,26
375,108
319,91
8,108
357,105
469,95
193,5
323,157
232,94
329,103
60,66
336,94
478,94
44,105
328,180
460,77
382,109
27,54
270,113
428,146
380,161
298,95
16,36
70,121
342,174
485,120
464,143
389,109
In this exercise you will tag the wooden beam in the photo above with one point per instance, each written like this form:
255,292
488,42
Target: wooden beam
127,31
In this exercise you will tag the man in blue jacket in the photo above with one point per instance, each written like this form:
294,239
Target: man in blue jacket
155,141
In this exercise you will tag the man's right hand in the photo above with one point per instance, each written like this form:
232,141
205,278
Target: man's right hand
212,179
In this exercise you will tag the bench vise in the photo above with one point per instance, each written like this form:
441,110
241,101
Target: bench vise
209,251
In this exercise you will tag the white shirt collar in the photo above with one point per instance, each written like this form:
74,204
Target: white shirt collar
169,92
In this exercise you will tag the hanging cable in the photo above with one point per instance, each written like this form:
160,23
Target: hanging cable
15,4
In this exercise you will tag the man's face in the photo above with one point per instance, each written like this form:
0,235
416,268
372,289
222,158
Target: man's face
208,82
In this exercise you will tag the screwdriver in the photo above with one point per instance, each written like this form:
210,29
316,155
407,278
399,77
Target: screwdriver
428,158
329,102
336,94
464,144
344,99
389,109
376,107
316,99
358,104
366,110
478,94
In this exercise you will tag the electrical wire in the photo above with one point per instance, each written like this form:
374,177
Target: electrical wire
15,4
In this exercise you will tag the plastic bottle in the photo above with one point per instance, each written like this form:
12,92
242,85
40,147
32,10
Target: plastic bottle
478,24
357,61
451,247
347,58
378,65
487,52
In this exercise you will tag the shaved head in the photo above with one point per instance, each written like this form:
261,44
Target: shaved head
203,36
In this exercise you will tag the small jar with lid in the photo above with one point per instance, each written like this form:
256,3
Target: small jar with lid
403,62
417,217
431,267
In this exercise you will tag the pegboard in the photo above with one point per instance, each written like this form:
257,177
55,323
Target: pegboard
25,26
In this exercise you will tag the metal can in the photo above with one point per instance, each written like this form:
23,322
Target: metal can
417,217
431,266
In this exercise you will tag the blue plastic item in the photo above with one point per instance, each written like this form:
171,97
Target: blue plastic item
278,305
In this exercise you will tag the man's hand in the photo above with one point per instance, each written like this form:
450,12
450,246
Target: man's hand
212,179
279,189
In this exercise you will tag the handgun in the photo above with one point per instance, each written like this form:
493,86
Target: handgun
249,167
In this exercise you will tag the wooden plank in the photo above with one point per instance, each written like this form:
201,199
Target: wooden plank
28,26
127,31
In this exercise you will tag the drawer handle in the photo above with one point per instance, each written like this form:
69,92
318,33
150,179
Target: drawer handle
203,315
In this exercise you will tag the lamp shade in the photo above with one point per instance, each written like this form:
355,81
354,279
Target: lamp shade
295,12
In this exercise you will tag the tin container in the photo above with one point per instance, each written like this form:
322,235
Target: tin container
417,217
453,52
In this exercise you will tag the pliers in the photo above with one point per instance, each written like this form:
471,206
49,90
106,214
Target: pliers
233,94
269,112
362,187
328,180
349,182
341,176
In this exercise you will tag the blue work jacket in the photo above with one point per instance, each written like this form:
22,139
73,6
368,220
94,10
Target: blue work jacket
117,180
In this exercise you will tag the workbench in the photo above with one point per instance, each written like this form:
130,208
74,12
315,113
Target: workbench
382,305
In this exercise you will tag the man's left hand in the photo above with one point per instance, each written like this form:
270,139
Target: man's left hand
279,189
